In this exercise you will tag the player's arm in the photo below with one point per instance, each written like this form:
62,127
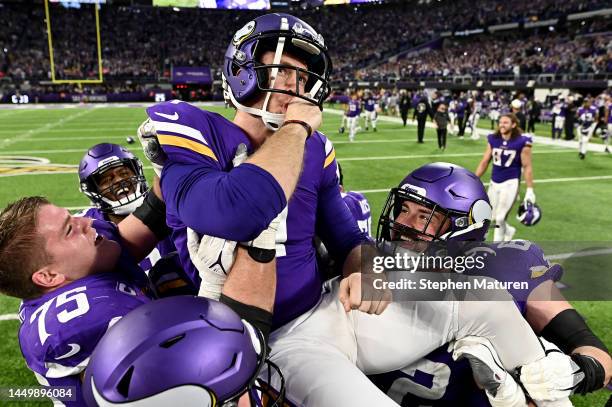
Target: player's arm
484,162
250,290
146,226
282,154
558,322
528,171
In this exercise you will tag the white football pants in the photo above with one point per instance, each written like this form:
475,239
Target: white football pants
326,353
502,196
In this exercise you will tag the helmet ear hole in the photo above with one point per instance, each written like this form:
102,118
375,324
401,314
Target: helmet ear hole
124,384
480,211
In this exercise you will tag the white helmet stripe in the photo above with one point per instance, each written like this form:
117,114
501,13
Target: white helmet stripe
280,46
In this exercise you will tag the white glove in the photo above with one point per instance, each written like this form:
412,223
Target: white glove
554,377
151,147
529,196
500,387
213,257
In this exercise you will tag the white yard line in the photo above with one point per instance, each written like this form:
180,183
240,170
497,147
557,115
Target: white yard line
564,256
9,317
29,133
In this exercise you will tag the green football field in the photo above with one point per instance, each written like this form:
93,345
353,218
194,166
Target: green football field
41,148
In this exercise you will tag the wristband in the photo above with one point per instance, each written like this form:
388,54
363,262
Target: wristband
305,125
258,317
152,213
260,255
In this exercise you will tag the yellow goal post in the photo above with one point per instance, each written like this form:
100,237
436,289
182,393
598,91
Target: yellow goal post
79,82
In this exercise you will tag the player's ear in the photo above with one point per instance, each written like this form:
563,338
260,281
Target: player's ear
48,277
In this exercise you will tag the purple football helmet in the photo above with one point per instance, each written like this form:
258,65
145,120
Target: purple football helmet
184,351
451,192
245,77
529,213
128,193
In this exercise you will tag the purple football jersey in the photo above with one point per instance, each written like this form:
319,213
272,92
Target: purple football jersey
609,113
438,380
353,108
360,209
507,156
586,116
204,191
60,329
370,104
162,249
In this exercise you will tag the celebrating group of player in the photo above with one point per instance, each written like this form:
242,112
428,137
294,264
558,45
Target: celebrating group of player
246,204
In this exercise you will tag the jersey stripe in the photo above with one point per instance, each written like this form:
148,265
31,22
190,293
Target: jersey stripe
179,129
177,141
330,158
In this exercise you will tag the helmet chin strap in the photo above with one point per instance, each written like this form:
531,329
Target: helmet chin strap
273,121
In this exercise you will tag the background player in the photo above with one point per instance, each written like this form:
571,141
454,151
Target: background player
370,105
559,111
608,134
494,106
587,117
510,151
352,116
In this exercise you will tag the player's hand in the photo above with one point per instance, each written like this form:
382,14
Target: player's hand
500,387
529,196
354,295
300,109
213,257
553,377
151,147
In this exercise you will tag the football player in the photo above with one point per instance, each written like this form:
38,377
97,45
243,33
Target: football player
559,111
113,180
608,120
460,110
587,117
370,105
438,379
344,122
475,109
494,107
276,75
510,151
353,111
358,205
77,276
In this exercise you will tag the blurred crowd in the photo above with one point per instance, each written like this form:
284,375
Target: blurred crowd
143,43
538,52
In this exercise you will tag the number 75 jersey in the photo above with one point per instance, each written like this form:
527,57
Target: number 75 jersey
506,156
60,329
